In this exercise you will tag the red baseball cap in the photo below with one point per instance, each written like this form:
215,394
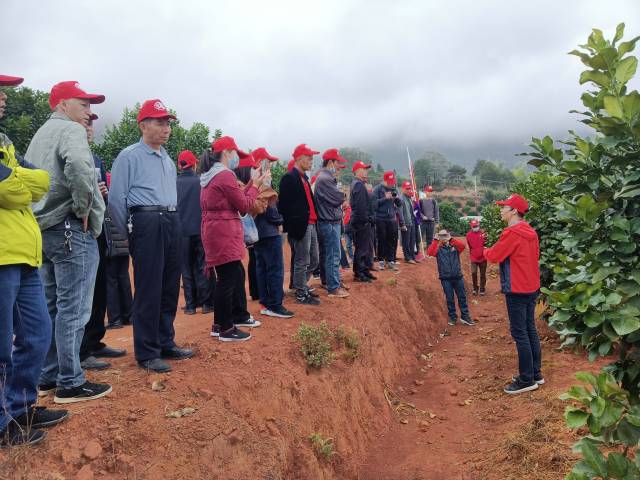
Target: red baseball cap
227,143
291,164
71,89
246,159
302,149
428,188
154,109
474,223
186,159
333,154
261,153
9,81
406,185
516,202
390,177
340,167
358,165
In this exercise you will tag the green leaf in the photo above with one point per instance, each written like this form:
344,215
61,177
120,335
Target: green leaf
594,459
626,69
604,272
617,465
586,377
627,47
631,105
625,325
619,33
597,406
614,298
628,191
613,107
575,417
627,433
636,276
593,319
596,77
611,414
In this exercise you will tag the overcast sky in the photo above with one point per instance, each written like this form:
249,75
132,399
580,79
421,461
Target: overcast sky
471,79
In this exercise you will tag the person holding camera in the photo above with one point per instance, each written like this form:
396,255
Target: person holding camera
386,202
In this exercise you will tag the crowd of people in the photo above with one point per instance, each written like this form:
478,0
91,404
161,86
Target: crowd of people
69,228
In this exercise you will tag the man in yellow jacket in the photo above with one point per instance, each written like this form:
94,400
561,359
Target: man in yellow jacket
23,309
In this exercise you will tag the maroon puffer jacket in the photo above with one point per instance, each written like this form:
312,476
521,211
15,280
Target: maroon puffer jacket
223,201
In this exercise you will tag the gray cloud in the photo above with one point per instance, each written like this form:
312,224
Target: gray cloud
471,79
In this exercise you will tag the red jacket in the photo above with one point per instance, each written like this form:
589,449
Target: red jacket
518,253
347,214
476,241
223,201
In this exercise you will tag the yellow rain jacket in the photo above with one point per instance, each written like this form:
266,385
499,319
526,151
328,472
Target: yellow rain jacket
20,238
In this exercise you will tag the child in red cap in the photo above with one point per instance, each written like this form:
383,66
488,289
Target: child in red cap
476,239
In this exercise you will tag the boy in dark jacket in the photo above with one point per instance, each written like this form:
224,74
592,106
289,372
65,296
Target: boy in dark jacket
518,253
476,238
447,252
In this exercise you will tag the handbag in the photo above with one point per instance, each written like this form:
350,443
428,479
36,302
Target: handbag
249,229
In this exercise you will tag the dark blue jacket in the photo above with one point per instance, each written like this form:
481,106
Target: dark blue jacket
385,209
189,211
268,223
448,258
360,205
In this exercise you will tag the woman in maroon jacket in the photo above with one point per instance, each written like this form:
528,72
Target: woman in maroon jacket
223,201
517,252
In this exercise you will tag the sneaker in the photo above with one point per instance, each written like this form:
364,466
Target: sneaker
108,352
307,300
316,276
41,417
234,335
249,323
189,311
520,387
155,365
475,291
115,325
538,379
467,321
176,353
82,393
279,312
370,276
45,389
92,363
215,330
263,310
207,309
339,293
344,286
312,292
363,279
452,321
393,266
381,266
482,292
14,435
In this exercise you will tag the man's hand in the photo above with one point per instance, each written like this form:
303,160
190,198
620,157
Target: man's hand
85,224
403,228
388,195
102,186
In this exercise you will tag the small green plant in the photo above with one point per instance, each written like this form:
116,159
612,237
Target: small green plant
322,446
350,340
315,344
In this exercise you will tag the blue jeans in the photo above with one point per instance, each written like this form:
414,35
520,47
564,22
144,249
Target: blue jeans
331,237
23,313
69,277
521,310
348,240
452,288
270,271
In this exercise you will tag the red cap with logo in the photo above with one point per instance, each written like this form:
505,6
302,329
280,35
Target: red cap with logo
71,89
154,109
474,223
261,153
9,81
390,177
358,165
291,164
246,159
333,154
406,185
428,188
227,143
516,202
302,149
186,159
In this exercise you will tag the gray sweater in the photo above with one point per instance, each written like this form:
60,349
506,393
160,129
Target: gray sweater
61,148
429,207
329,198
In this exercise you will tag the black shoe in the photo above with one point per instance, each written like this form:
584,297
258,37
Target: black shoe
474,291
189,311
86,391
108,352
370,276
482,292
92,363
155,365
467,321
307,300
452,321
176,353
45,389
41,417
215,330
114,325
311,292
518,386
363,279
249,323
279,312
207,309
14,435
234,335
539,379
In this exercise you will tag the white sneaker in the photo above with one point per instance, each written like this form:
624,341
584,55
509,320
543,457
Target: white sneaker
249,323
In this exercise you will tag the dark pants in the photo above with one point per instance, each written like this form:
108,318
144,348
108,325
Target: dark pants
452,288
94,330
409,243
344,261
230,299
198,289
154,247
428,230
253,279
363,250
292,261
387,231
270,271
322,258
372,247
521,311
119,297
483,274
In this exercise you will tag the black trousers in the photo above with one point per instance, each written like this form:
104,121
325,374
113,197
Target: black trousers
428,231
387,231
321,270
363,249
119,297
293,259
154,247
253,275
230,303
95,330
409,243
197,288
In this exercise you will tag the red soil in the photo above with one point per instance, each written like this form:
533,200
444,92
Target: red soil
256,403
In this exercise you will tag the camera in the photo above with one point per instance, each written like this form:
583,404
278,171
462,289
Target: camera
394,193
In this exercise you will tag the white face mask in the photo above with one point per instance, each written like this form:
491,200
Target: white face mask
332,170
234,161
476,229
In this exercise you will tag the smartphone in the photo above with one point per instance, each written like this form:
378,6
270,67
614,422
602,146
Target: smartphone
266,166
98,175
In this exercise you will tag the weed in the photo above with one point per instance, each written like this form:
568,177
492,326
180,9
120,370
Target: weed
352,343
315,344
322,446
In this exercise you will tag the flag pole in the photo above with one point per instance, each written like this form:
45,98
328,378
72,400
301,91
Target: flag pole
416,198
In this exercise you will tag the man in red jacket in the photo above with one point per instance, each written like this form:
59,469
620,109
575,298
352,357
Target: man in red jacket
518,252
476,239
